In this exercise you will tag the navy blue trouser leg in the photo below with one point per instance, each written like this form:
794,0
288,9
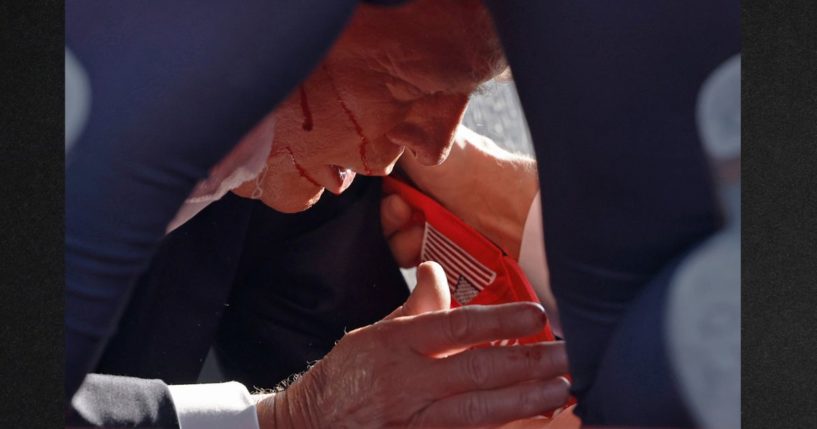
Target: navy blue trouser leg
609,92
174,86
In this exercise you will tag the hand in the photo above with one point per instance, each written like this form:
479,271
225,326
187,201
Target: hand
496,202
410,370
486,186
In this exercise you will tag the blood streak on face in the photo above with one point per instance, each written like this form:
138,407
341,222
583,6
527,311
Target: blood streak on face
363,140
298,167
396,79
307,125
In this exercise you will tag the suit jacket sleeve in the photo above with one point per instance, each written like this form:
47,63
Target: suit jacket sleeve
115,401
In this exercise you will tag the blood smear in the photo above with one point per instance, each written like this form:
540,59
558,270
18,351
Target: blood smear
300,169
307,125
363,140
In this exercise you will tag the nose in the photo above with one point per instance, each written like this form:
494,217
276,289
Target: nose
428,128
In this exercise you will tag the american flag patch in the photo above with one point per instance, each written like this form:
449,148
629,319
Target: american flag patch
466,276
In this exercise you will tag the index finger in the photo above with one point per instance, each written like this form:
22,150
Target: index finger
447,331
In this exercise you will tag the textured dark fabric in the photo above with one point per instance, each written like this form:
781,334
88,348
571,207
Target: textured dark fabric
297,281
299,290
122,402
609,92
636,367
174,86
176,306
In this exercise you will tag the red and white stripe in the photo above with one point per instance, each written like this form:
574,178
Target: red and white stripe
455,261
509,342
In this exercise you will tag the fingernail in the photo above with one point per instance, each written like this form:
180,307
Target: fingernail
541,316
566,381
557,393
536,315
563,388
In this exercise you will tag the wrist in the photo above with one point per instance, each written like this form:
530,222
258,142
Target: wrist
292,407
275,412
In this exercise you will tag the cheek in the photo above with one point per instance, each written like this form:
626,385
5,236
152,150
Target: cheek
372,118
350,138
378,115
313,128
321,128
381,155
361,95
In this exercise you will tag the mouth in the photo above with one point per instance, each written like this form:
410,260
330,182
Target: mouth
381,171
337,179
334,178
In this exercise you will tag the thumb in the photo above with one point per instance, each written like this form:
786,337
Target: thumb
430,294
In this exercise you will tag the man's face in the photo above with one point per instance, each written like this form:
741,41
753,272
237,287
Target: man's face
398,78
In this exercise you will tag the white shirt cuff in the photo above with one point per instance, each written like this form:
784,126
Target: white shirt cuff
533,263
214,406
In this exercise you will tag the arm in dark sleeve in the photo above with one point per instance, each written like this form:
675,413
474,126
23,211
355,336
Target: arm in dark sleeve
289,273
174,86
609,93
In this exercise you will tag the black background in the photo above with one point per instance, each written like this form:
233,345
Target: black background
31,213
779,241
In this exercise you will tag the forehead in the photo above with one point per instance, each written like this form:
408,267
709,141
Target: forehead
440,45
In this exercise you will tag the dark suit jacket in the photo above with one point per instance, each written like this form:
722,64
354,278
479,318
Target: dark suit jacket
272,292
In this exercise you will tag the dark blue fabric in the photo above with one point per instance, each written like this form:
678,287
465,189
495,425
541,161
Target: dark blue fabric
635,383
174,311
174,86
609,92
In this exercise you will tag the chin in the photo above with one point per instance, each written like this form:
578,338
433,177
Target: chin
292,203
